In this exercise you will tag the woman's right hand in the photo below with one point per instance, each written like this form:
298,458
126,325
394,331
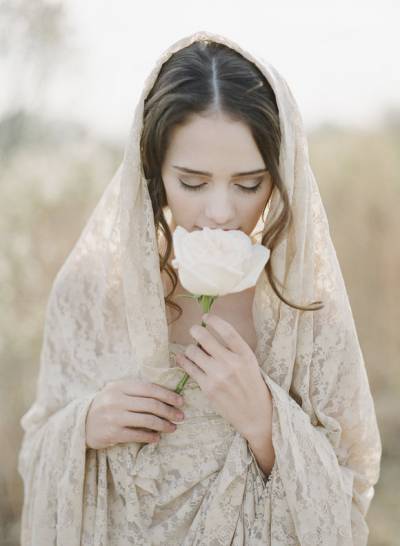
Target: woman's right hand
131,411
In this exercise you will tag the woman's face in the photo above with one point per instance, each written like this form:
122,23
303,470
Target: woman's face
214,175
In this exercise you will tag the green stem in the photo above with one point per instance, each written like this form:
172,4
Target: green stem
190,296
206,303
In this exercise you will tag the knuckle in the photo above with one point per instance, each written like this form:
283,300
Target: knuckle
154,421
157,406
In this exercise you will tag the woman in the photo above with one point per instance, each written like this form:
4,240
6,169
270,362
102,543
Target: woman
288,451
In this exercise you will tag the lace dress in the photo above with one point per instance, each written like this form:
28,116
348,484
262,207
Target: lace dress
183,499
105,320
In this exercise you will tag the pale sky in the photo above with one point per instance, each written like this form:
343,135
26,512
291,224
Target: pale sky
340,58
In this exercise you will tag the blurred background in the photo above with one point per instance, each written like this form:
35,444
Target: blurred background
71,73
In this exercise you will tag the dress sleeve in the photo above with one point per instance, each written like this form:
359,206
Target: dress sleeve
326,439
52,465
52,456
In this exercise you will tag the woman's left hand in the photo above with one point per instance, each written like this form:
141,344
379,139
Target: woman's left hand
229,376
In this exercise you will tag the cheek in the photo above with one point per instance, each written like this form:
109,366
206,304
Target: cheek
184,207
262,200
252,208
174,196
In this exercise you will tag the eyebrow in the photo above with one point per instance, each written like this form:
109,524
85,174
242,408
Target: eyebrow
206,173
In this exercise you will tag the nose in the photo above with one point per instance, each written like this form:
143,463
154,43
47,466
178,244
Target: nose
220,209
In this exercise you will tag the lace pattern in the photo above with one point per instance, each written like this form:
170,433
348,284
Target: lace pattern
106,319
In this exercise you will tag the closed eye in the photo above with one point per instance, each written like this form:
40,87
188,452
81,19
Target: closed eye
243,188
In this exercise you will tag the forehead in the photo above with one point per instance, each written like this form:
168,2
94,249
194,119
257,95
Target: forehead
213,141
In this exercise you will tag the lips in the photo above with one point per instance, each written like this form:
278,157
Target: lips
224,229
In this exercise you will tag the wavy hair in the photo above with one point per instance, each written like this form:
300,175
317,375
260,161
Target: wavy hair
204,78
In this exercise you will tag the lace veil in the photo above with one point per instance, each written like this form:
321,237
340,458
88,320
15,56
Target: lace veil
106,320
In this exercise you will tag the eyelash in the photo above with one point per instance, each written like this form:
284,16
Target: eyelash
200,186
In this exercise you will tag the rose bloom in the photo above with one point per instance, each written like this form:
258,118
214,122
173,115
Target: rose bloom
215,262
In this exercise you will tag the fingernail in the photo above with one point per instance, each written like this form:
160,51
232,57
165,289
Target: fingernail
178,421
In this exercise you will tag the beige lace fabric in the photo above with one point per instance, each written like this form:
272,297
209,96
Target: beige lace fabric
201,485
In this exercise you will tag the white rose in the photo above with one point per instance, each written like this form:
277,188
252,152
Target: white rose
215,262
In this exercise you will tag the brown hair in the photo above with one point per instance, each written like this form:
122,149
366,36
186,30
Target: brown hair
199,79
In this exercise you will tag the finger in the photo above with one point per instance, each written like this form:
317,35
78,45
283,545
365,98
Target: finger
151,405
191,369
127,435
229,335
133,387
208,342
146,421
199,357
